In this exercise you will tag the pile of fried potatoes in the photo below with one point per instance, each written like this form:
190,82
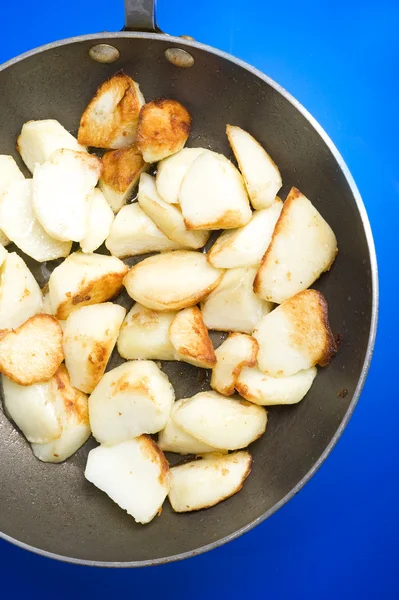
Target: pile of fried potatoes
252,282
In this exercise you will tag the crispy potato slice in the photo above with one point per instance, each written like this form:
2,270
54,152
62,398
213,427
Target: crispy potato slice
20,295
9,174
134,474
72,411
167,217
62,189
110,119
190,339
295,336
145,334
302,247
163,128
233,306
133,233
237,351
245,246
21,226
131,399
227,423
122,169
212,194
84,279
33,352
172,281
206,482
170,173
262,177
100,221
90,335
259,388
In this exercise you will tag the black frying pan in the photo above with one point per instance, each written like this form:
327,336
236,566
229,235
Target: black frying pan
52,509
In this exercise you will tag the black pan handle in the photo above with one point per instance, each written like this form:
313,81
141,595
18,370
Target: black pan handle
140,15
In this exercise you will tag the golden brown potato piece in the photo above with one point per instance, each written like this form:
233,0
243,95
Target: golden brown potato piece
110,119
190,338
163,128
33,352
122,169
237,351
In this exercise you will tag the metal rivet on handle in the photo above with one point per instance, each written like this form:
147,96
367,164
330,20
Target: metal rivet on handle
179,58
104,53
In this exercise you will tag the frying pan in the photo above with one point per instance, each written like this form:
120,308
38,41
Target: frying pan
52,509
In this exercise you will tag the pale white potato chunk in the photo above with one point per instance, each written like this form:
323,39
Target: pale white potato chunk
170,173
33,410
190,339
262,177
134,474
237,351
3,254
99,224
38,140
21,226
212,194
302,247
9,174
62,189
227,423
174,439
84,279
133,233
245,246
206,482
233,305
131,399
110,119
90,334
145,334
167,217
172,280
295,336
20,295
259,388
71,406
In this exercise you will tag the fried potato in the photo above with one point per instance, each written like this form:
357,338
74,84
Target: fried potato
233,306
110,119
90,335
9,174
295,336
122,169
163,128
133,233
302,247
4,241
20,295
84,279
134,474
206,482
237,351
38,140
62,188
100,221
3,254
170,173
259,388
33,352
262,177
145,334
71,406
172,281
131,399
212,194
227,423
21,226
245,246
167,217
190,339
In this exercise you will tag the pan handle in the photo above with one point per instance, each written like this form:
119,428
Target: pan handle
140,16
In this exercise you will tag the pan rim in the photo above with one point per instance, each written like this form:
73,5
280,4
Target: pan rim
374,295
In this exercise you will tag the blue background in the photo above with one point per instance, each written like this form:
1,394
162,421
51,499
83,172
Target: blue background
339,536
